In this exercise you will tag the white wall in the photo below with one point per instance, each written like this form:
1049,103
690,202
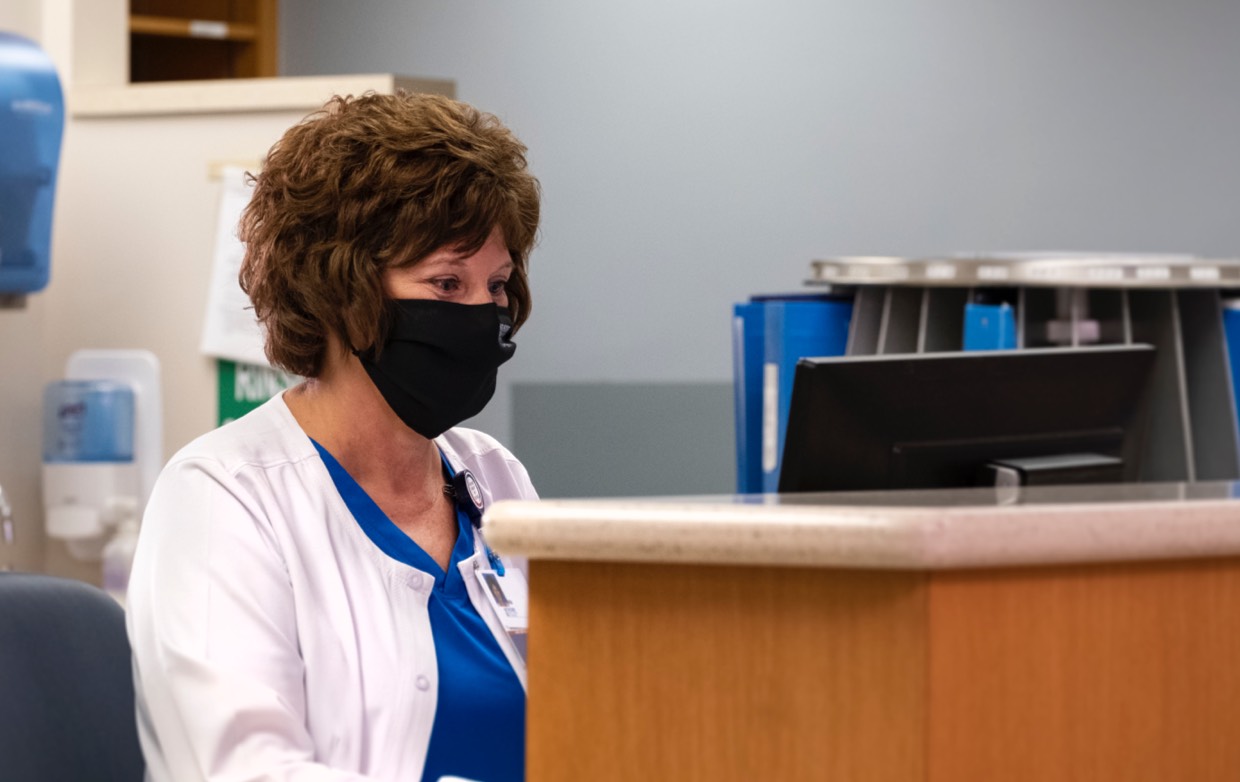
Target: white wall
695,152
133,230
132,243
23,17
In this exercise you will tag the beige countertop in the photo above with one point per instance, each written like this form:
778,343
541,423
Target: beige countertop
925,530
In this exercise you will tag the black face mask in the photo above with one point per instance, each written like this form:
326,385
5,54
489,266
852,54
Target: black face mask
439,362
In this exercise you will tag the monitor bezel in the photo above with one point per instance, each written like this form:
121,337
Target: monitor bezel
848,413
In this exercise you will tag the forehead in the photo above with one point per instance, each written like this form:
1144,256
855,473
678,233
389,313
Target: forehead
492,254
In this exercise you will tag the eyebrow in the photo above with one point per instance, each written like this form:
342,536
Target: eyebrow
461,261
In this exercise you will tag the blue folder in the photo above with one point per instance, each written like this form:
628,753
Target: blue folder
1231,328
748,344
770,334
989,326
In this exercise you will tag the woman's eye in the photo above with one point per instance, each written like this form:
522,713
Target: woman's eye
497,287
446,284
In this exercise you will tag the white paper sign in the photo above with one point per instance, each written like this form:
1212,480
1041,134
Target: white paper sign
230,330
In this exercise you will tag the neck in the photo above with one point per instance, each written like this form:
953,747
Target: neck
344,412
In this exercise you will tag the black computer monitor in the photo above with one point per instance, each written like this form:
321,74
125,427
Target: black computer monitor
945,420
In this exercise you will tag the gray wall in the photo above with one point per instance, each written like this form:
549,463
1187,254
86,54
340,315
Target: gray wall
692,153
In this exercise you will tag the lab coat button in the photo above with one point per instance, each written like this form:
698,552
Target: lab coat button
422,682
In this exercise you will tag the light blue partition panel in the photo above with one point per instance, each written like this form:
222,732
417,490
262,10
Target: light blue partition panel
625,439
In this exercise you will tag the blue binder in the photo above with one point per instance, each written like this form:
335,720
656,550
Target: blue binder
748,346
1231,328
989,327
770,334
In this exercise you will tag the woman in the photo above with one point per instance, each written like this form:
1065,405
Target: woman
304,602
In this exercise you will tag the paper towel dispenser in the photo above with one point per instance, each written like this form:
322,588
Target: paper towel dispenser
32,118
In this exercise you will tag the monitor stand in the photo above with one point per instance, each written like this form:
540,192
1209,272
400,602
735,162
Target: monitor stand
1058,470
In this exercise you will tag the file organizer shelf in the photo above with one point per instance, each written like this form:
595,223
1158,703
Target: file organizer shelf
1176,303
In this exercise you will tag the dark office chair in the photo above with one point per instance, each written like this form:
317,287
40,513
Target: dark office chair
66,684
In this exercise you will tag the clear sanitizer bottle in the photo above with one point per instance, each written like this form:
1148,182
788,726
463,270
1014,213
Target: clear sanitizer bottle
118,553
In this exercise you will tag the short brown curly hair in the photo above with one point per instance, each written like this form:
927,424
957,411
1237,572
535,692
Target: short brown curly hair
370,183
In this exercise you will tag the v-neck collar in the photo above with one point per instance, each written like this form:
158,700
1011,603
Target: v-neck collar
389,538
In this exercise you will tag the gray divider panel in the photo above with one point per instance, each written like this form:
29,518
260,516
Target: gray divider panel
1168,454
1022,311
942,320
901,319
1110,309
1039,309
867,316
1212,412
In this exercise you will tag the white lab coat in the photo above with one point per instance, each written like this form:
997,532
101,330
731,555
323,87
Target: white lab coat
272,639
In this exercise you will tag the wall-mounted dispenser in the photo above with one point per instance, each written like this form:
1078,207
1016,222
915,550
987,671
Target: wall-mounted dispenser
32,118
102,445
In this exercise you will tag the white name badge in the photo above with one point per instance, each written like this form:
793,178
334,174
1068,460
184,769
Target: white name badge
509,597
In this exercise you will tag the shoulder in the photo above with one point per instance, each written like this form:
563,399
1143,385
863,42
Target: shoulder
501,474
246,459
242,482
266,437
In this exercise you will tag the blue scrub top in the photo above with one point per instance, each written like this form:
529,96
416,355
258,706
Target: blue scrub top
479,728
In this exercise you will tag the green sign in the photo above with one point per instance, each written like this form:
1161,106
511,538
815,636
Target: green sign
243,387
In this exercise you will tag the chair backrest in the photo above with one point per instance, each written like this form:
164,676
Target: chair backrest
66,684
